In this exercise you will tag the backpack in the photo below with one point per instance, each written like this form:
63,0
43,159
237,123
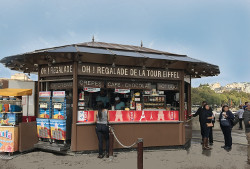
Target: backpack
235,120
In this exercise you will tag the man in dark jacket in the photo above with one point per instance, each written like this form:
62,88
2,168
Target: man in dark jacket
199,113
246,117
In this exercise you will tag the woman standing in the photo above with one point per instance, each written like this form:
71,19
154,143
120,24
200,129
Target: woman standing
102,129
206,122
226,117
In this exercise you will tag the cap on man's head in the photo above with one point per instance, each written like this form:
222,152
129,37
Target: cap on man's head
117,98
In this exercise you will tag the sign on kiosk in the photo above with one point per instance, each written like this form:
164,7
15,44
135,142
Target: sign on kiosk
120,116
143,116
44,93
58,93
8,139
85,117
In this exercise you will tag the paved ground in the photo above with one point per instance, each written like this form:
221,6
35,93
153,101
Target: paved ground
192,158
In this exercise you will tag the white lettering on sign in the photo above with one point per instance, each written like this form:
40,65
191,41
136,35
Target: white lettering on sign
94,70
54,70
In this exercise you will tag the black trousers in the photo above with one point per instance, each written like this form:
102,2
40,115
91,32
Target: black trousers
211,138
202,130
227,135
240,123
102,130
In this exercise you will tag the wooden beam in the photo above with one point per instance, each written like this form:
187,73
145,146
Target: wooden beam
75,109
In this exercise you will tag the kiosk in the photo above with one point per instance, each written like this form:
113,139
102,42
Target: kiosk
147,92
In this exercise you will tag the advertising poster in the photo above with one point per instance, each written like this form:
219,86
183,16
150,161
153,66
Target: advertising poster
8,139
86,117
43,128
143,116
58,129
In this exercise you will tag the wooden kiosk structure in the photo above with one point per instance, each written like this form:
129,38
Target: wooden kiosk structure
155,87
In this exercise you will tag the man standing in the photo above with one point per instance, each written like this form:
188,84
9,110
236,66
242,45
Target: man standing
198,113
246,117
244,107
103,98
240,115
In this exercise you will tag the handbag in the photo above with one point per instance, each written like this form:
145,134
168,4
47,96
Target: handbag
210,124
225,123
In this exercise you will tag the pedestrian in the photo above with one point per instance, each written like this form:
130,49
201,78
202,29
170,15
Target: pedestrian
206,123
244,107
240,115
226,117
102,129
246,117
198,113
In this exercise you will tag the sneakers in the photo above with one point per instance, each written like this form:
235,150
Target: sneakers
223,146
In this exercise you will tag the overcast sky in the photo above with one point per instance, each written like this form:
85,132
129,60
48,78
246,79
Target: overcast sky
217,32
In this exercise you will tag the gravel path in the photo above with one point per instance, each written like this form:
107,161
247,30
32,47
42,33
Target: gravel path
192,158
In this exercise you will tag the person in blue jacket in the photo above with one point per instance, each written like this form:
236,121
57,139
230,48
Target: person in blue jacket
226,117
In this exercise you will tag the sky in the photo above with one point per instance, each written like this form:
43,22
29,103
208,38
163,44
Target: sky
217,32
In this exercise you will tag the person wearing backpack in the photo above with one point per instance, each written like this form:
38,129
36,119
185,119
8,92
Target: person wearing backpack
246,117
226,117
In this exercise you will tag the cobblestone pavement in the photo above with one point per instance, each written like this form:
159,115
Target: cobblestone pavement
192,158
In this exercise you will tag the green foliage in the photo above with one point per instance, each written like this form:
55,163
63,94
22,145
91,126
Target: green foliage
204,93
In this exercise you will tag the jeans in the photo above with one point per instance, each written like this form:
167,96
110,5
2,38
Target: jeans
102,130
227,135
240,123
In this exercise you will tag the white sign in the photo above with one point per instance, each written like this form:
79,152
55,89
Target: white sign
91,89
58,93
82,116
45,94
122,91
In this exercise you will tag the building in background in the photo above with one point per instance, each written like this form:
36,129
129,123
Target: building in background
239,87
22,81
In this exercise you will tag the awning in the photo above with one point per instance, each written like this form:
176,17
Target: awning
15,92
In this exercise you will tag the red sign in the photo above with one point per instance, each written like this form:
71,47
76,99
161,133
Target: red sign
58,93
86,117
143,116
45,94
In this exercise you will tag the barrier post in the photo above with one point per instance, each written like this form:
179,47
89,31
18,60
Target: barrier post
140,153
111,143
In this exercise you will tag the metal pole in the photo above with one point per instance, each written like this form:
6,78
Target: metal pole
140,153
27,118
111,143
